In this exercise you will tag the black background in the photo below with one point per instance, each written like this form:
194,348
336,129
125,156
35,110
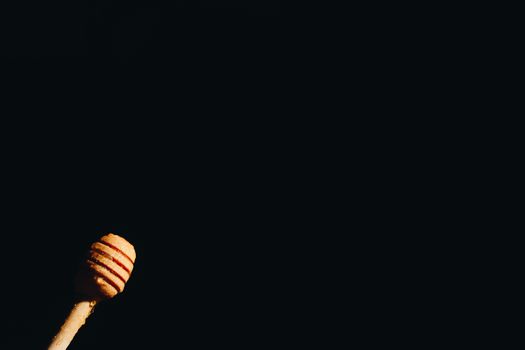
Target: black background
116,28
202,200
208,242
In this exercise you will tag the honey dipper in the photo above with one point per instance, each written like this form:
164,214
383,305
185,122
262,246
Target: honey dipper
102,276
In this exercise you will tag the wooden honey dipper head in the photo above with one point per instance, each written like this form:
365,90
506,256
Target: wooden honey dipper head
102,275
106,269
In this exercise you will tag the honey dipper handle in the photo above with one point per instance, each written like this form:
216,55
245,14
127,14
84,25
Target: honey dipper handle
76,319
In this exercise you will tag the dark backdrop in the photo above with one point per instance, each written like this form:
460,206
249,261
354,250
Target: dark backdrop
121,28
205,222
201,204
